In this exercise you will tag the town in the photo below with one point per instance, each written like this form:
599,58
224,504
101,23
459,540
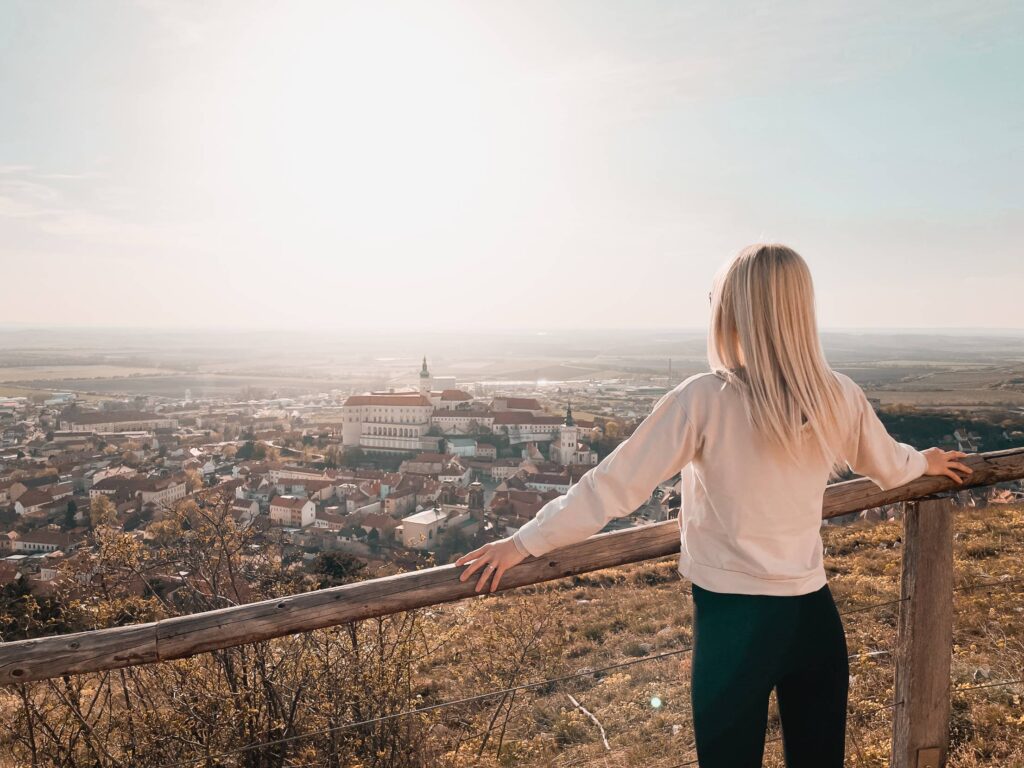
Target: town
406,476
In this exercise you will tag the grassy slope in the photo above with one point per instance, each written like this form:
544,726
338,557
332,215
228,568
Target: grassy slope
621,614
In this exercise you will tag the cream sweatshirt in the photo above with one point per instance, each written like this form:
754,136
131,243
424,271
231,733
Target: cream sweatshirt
750,520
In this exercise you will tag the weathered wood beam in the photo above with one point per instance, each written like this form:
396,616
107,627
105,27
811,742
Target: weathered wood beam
924,645
184,636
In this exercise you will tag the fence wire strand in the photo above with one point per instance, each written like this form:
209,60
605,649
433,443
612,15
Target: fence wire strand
581,674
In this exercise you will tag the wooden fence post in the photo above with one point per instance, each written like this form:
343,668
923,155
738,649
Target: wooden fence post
920,732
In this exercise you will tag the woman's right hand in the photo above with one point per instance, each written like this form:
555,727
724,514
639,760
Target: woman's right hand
497,556
942,462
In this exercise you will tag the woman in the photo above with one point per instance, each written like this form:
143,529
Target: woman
757,439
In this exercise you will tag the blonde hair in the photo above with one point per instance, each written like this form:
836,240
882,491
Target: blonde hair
762,306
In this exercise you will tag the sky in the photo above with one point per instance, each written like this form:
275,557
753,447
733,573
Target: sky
540,164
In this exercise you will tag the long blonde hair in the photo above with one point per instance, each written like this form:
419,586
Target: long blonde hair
762,303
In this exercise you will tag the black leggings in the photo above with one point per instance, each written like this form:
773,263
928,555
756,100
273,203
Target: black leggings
745,645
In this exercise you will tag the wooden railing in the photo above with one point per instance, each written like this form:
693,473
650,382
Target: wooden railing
924,642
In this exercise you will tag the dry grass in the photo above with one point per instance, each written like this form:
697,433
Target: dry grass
622,614
625,617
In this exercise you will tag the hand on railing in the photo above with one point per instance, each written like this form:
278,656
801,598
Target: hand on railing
498,556
942,462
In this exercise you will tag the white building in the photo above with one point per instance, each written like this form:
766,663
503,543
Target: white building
451,399
277,474
292,512
42,540
399,421
162,491
389,421
116,421
541,481
419,531
466,421
455,473
461,446
32,501
245,511
567,448
524,427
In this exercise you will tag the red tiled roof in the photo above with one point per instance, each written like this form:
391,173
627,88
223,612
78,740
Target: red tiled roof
431,457
525,403
411,399
517,417
375,520
52,538
330,517
288,502
34,498
151,484
113,417
309,485
548,478
112,483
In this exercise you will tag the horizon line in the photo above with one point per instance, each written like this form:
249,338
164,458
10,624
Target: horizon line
535,330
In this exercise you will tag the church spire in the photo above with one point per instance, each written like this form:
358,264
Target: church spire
568,415
424,373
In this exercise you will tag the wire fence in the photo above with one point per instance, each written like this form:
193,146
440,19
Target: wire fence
586,673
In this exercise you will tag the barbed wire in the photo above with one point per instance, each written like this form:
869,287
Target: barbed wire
320,760
779,737
588,761
581,674
456,702
428,708
492,694
694,761
999,583
989,685
964,588
870,606
881,708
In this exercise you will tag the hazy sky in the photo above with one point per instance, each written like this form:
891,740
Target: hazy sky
488,164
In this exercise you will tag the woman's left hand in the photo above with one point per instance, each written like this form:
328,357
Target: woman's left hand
495,558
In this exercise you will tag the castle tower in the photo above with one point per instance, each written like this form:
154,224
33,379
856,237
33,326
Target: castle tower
425,382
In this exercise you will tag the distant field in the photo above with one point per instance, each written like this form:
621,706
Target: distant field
200,386
960,397
934,384
978,372
13,391
48,373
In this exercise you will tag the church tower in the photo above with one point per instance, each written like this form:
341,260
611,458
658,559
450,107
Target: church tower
568,439
425,382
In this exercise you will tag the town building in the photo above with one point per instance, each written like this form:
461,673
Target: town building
292,512
116,421
568,449
387,421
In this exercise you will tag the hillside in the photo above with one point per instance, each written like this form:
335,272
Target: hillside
626,613
615,640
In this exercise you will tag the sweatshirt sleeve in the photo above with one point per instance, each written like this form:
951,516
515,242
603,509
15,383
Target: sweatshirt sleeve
660,446
875,454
